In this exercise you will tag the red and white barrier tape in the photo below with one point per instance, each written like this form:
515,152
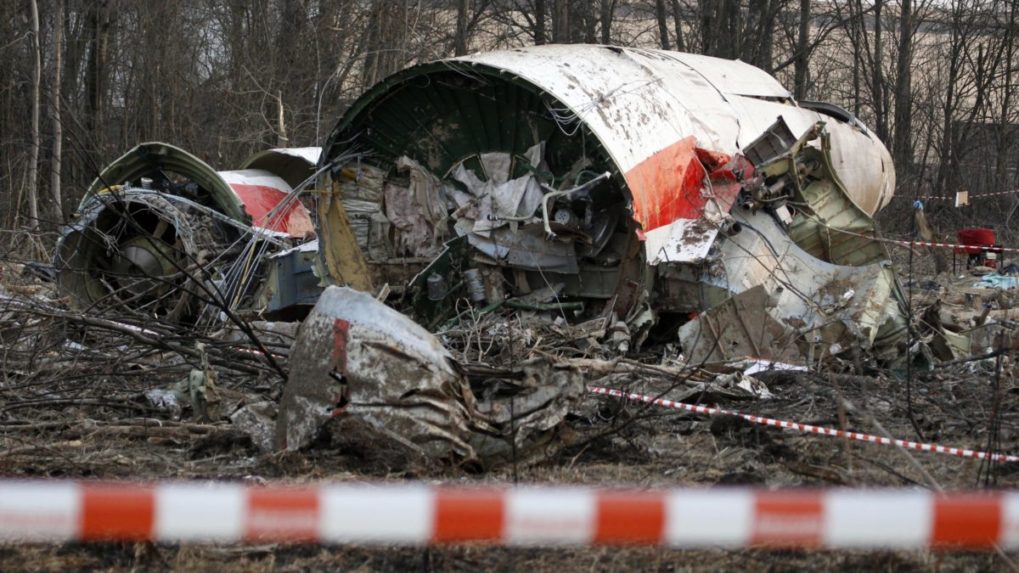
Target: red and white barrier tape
806,428
977,248
954,197
417,514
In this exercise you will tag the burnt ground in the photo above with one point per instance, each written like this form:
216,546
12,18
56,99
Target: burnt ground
70,414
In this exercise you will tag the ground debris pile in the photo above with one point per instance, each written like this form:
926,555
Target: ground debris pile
489,391
495,395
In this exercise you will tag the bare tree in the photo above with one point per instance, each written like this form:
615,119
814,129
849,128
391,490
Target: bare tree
460,43
33,161
902,144
677,21
663,25
55,93
560,21
607,9
100,24
540,14
801,58
1006,136
225,78
877,73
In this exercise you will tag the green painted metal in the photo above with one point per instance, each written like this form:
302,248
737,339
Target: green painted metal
152,158
441,115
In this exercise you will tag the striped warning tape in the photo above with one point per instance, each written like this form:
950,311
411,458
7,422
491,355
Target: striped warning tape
955,197
806,428
416,514
993,249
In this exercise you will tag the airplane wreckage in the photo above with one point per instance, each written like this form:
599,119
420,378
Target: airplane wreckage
644,188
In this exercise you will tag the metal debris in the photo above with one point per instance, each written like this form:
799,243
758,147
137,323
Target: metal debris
356,356
598,197
646,183
359,360
161,233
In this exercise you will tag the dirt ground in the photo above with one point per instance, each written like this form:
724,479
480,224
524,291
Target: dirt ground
84,414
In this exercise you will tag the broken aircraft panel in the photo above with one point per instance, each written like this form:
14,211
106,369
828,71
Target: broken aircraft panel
159,230
637,179
625,182
604,186
373,369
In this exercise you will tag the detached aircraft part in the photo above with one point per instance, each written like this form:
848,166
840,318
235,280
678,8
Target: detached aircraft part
632,178
159,230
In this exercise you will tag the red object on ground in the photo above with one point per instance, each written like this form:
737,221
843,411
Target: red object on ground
983,241
979,237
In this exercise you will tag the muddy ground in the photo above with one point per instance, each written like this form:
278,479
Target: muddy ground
67,413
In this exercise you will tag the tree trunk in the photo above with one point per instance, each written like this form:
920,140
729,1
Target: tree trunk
96,71
560,21
387,38
708,24
857,62
948,147
540,14
606,21
1005,133
877,75
58,130
281,123
758,45
902,143
33,157
802,58
732,44
663,26
460,41
590,22
677,21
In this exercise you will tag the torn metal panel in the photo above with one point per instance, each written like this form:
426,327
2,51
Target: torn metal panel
358,360
527,249
526,408
293,281
822,218
130,250
593,132
293,164
241,195
354,356
262,193
832,306
149,159
739,327
159,232
416,210
804,243
701,212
